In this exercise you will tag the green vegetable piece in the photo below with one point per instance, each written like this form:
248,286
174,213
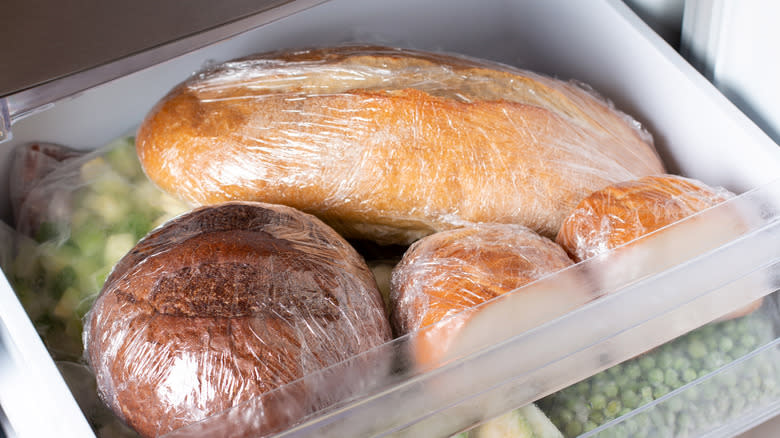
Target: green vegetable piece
629,398
647,363
67,304
598,402
93,169
49,231
612,409
611,390
136,223
725,345
697,349
526,422
671,378
748,341
64,279
90,241
122,157
660,391
573,428
655,376
117,245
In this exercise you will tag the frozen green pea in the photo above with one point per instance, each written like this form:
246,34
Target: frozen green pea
573,428
598,402
566,416
671,378
725,345
611,390
689,375
660,391
655,376
612,409
597,416
647,363
748,341
697,349
629,398
633,371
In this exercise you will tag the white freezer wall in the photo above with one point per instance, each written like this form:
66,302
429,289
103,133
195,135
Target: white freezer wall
515,32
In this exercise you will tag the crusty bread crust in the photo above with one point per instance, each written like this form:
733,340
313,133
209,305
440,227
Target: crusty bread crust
622,212
221,306
618,214
389,144
451,272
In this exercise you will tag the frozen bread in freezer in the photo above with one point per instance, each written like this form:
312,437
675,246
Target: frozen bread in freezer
446,285
618,214
226,304
391,144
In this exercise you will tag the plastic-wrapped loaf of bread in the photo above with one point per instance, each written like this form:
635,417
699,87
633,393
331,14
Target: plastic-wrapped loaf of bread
226,304
391,144
618,214
445,284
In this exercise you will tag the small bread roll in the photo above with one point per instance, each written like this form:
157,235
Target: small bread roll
620,213
224,304
390,144
456,272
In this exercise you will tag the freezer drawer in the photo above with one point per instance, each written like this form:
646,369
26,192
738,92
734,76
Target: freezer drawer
603,44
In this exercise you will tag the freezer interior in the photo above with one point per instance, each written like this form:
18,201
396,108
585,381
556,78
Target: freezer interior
697,132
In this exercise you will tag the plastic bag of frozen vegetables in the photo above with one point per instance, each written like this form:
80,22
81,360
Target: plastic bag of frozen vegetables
77,215
688,387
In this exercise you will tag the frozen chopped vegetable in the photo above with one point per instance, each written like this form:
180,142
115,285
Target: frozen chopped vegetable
620,390
77,218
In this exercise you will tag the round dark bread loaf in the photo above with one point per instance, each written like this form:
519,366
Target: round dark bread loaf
224,304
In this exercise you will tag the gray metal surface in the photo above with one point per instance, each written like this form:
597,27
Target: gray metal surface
51,50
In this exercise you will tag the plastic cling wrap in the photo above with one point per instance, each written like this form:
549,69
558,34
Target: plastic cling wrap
687,387
225,304
618,214
76,215
624,211
454,272
390,144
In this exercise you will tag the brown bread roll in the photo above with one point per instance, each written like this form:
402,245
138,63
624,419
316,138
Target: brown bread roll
224,304
390,144
456,272
623,212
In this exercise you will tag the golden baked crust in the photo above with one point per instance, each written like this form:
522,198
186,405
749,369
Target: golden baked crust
451,272
223,305
388,144
623,212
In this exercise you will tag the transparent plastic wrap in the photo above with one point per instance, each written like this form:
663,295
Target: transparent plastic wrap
32,163
391,144
452,272
223,305
693,385
620,213
76,215
514,364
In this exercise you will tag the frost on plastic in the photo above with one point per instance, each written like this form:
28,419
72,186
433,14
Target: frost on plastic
454,272
225,304
620,213
389,144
